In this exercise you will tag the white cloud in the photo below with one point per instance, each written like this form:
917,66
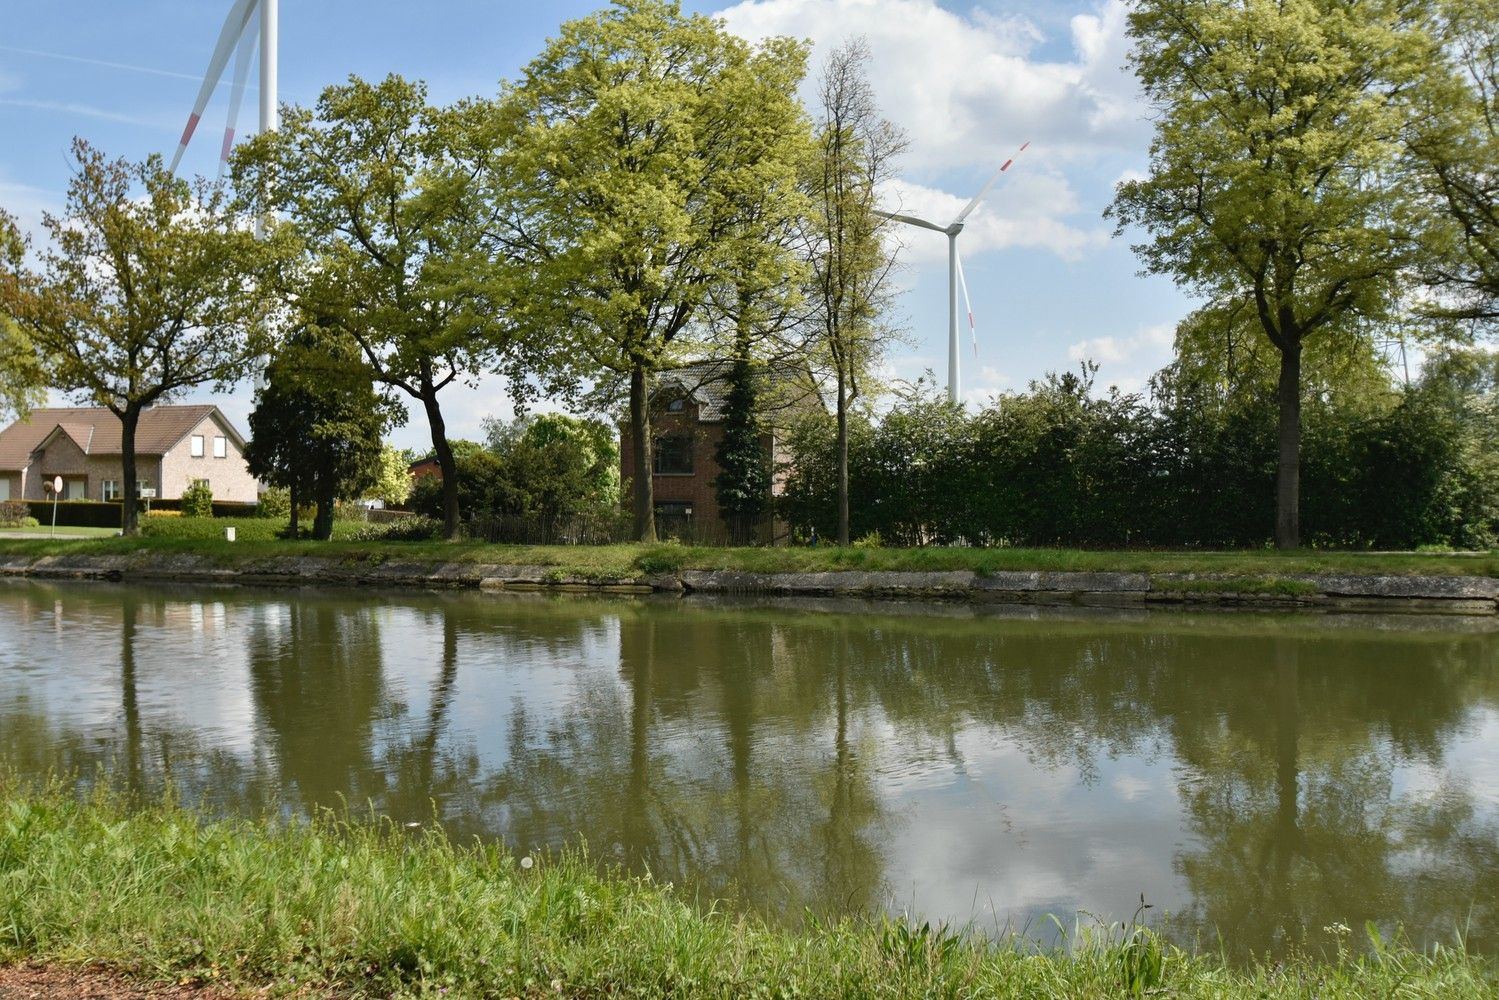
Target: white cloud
968,90
1128,362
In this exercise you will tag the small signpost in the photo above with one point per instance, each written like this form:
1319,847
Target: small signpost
55,488
147,494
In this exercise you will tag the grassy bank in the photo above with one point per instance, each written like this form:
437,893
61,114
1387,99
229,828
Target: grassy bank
257,540
371,910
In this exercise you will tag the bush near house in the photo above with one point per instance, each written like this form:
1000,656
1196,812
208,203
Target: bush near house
197,500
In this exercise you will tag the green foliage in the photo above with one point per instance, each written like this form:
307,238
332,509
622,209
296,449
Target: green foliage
396,205
12,512
648,142
483,490
1065,465
556,466
197,500
317,423
275,503
392,479
23,380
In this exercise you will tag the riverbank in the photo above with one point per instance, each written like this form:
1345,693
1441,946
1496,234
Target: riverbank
1464,584
331,908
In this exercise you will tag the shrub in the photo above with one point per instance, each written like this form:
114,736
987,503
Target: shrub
869,541
30,522
275,503
12,512
197,500
407,529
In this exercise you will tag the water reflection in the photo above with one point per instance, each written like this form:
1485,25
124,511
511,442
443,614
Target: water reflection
1258,777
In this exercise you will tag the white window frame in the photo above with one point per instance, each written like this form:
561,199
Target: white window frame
195,446
202,482
220,446
109,490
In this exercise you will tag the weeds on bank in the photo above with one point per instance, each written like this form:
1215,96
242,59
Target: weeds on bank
370,909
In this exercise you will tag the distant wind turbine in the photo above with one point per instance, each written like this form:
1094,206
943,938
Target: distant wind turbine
955,279
238,37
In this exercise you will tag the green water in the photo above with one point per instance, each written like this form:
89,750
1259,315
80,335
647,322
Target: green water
1258,777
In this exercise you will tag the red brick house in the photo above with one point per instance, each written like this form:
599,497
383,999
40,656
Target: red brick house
687,413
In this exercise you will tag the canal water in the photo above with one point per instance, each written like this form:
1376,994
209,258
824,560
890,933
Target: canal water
1259,779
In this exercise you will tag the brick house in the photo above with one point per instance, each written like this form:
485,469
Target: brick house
687,413
174,446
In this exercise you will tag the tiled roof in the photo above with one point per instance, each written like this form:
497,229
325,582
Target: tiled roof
706,382
96,431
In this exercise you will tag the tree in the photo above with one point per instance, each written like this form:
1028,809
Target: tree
1273,168
1456,146
850,264
383,191
392,477
23,381
646,139
147,287
556,465
317,424
743,485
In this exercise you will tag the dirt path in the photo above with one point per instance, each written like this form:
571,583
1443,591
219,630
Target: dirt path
53,982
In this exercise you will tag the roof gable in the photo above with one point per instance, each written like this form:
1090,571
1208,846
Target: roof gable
96,431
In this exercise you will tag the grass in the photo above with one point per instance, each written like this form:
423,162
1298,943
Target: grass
257,539
372,910
63,531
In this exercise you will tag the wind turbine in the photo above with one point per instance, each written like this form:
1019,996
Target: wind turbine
955,278
238,38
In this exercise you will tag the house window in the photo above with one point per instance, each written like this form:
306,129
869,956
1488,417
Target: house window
676,405
673,455
220,447
141,486
75,489
4,487
203,483
111,489
196,446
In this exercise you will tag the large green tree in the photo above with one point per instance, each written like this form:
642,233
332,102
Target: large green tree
646,137
850,262
147,286
383,190
1273,170
317,424
23,381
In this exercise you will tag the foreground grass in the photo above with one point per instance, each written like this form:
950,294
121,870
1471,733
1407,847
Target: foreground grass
372,910
257,540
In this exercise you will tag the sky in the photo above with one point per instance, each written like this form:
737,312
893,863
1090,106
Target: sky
969,83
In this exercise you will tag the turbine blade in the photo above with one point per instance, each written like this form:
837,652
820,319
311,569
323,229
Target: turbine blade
234,26
242,55
989,184
967,303
910,220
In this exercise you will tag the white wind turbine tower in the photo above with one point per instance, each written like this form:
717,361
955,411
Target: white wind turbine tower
955,278
238,37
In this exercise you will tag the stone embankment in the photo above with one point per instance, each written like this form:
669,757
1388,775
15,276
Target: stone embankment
1450,594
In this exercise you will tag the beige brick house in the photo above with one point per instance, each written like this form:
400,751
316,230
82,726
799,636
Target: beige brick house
174,446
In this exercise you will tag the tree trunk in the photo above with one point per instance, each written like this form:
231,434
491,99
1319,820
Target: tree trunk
445,461
842,461
1288,474
322,521
129,504
641,488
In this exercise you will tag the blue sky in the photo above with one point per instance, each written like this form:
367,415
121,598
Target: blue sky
968,82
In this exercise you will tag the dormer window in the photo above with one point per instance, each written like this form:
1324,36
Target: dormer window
676,406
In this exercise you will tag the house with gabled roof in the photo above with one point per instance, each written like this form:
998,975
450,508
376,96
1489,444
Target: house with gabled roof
687,413
175,446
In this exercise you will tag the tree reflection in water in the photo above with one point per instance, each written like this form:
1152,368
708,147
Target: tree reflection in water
789,758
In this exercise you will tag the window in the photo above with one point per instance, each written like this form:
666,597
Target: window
220,447
75,489
197,446
676,405
141,485
201,482
111,489
4,487
673,456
